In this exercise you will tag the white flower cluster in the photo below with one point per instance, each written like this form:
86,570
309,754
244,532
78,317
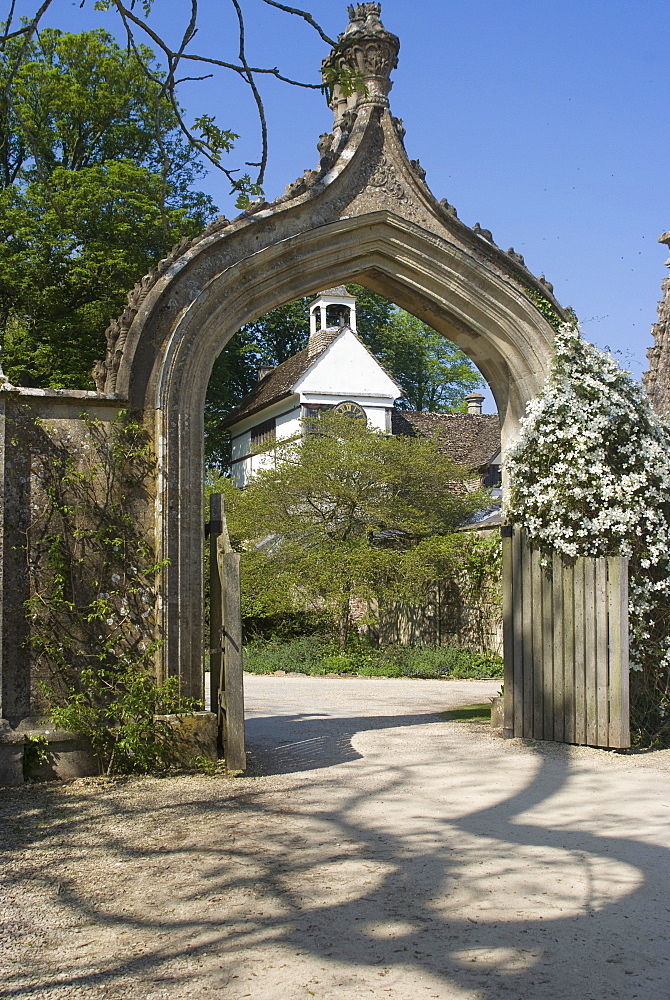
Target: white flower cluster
590,475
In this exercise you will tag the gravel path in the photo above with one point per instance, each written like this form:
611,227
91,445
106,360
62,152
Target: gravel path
375,850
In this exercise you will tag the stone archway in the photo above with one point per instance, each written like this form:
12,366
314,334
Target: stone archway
364,214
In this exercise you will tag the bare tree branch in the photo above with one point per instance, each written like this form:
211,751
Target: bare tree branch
257,97
213,140
304,14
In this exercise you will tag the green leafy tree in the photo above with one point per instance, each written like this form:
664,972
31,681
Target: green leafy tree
180,59
95,187
346,512
434,374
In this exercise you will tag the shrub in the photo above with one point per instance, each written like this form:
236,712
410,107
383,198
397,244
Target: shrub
315,655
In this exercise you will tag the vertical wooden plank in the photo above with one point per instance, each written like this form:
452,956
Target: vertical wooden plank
215,633
232,663
590,651
617,599
579,672
527,612
508,627
602,653
568,673
558,615
538,636
548,584
517,597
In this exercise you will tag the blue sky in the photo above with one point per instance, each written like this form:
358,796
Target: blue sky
546,122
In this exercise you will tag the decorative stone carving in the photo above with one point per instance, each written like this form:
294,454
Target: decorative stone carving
384,176
367,50
99,374
484,233
657,379
547,284
400,129
418,169
448,209
516,256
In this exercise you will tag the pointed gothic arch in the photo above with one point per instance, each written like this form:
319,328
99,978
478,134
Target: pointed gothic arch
365,214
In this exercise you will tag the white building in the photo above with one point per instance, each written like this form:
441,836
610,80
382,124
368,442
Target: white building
335,371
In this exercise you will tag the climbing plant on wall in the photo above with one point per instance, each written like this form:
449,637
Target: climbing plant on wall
92,610
590,475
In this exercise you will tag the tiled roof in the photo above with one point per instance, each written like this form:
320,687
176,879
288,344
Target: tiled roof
276,384
467,438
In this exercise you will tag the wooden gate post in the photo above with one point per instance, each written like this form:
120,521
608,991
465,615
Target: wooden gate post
215,527
226,676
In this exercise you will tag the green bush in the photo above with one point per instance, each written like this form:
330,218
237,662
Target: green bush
315,655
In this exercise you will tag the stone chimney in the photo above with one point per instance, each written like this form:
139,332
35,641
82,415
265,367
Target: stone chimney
474,401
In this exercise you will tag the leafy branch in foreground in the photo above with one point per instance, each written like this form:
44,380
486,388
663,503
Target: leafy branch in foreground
204,134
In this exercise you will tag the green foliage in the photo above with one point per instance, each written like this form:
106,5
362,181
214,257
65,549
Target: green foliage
35,752
469,713
95,188
345,512
434,374
116,709
93,604
317,655
590,476
544,306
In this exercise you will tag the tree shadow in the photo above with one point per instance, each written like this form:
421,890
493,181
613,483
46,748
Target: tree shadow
577,912
307,741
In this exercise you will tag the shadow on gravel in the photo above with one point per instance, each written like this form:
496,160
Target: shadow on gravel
285,744
260,845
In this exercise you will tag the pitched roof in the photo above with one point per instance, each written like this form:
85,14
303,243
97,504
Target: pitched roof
469,439
273,387
279,383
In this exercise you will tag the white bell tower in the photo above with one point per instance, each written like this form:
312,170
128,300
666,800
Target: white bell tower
331,308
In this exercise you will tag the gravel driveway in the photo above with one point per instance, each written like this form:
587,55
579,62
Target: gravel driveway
375,850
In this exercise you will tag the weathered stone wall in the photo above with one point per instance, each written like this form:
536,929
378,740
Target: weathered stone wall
657,379
24,443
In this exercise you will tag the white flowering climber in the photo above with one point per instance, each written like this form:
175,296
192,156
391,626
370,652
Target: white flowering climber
590,475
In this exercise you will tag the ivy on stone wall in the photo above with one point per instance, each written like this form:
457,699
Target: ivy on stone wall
93,596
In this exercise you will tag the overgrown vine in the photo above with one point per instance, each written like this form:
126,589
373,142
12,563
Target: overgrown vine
93,596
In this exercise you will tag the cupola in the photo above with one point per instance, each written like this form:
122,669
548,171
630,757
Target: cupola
329,313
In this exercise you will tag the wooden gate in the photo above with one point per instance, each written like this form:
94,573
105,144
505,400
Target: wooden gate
225,629
565,646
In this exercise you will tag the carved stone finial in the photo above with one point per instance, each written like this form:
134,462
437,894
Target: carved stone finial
665,238
448,209
485,234
367,50
547,284
518,257
99,374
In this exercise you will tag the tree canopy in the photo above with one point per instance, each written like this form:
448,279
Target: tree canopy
140,24
346,511
96,186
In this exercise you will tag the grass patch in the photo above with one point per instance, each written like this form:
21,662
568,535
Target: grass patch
468,713
316,655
